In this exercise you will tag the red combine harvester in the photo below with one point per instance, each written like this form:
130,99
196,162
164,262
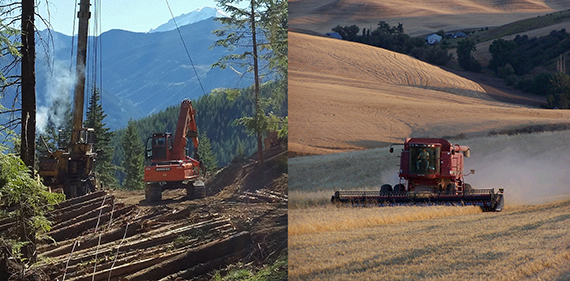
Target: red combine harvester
170,167
431,172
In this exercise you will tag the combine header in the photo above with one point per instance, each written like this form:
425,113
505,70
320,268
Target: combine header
431,172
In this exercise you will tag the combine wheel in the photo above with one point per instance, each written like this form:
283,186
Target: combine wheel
450,189
399,188
500,203
467,188
385,189
153,192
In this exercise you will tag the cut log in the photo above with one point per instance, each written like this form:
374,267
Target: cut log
107,237
85,216
77,209
204,268
172,235
75,230
80,199
124,269
193,257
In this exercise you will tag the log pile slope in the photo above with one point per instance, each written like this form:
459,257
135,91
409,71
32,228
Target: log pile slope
108,235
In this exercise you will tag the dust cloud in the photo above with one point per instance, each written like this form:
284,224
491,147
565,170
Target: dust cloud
533,169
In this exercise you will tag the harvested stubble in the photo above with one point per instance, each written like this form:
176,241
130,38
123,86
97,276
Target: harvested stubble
522,242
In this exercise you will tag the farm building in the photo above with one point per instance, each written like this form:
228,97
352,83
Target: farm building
334,35
433,39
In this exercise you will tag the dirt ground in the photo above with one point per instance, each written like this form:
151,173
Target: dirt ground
117,234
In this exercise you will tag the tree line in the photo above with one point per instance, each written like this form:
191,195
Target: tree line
394,38
215,117
514,61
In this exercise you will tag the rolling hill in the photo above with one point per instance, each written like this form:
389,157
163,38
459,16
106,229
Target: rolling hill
345,96
419,17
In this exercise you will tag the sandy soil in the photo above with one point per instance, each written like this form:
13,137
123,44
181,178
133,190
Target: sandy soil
418,16
345,96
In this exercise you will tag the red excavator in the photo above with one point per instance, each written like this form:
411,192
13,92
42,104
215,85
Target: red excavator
431,172
170,167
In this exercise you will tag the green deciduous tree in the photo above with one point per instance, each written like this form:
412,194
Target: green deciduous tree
465,49
24,201
95,116
559,91
501,51
133,158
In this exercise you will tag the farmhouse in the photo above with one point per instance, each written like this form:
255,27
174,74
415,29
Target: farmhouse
433,39
334,35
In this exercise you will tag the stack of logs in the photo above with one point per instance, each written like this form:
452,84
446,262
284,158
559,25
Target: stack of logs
95,238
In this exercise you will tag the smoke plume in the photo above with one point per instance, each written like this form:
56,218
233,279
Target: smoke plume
59,89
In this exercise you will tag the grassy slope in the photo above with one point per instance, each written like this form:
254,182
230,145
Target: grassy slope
520,243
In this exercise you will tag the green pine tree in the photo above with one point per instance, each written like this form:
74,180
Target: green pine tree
134,158
95,115
207,156
269,52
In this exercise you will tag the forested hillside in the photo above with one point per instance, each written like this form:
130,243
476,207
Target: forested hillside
215,114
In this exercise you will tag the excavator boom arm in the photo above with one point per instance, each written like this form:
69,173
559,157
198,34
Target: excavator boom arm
186,127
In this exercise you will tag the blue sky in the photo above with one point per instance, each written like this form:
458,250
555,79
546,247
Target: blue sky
132,15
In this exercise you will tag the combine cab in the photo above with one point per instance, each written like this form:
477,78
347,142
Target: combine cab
431,172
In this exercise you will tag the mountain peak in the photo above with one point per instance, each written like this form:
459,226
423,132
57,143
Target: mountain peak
197,15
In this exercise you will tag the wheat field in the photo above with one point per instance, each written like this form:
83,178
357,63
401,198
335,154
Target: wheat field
527,241
430,243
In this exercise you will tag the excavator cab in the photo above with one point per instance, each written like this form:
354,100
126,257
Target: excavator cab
159,146
424,159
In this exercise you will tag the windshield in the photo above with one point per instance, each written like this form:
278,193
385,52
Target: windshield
424,160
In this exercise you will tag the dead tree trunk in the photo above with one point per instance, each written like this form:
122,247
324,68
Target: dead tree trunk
28,128
258,133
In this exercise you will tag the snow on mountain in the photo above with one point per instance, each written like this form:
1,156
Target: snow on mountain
197,15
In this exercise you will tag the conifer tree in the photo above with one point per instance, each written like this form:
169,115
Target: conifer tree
134,158
207,156
95,115
242,28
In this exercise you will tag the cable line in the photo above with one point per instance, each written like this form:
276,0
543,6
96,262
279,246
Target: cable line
185,48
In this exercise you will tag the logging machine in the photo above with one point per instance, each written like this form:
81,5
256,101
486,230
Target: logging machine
72,169
170,167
